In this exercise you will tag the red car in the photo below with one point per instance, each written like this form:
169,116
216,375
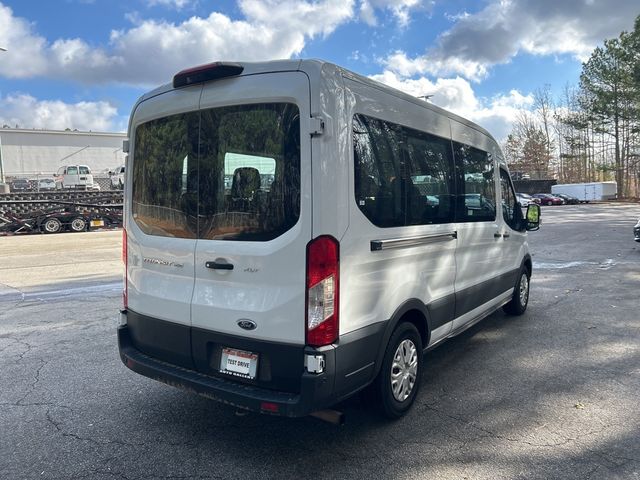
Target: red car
548,199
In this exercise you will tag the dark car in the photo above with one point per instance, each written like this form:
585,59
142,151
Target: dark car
20,185
568,199
548,199
636,231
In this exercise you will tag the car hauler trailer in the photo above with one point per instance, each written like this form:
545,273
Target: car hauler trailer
588,192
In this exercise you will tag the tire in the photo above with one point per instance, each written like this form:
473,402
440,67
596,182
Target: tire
402,360
51,225
520,299
78,224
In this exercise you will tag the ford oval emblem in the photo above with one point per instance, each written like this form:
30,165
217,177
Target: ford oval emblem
247,324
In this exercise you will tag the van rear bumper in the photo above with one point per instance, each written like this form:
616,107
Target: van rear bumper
317,391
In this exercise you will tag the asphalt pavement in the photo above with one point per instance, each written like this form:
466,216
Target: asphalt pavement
553,394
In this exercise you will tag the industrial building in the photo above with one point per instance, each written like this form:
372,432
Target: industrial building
34,153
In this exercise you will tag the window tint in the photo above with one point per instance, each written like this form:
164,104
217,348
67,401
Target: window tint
249,172
84,170
230,173
165,176
510,207
72,170
402,176
476,187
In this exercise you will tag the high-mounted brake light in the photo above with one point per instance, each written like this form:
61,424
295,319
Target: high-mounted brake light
206,73
323,275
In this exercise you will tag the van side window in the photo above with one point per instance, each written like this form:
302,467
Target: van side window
476,187
402,176
510,207
84,170
72,170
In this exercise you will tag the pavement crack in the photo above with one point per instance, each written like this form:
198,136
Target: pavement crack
34,383
491,434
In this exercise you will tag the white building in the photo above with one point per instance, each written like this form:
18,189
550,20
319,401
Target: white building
41,152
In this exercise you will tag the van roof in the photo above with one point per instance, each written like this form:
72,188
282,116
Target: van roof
315,69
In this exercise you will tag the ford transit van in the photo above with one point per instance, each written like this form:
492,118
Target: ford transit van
295,233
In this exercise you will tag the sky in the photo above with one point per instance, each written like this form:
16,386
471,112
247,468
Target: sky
82,64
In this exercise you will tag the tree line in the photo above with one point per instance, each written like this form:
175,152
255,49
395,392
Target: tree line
590,133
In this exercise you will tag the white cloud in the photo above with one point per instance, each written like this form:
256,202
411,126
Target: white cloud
150,52
505,28
28,112
24,56
400,9
496,114
177,4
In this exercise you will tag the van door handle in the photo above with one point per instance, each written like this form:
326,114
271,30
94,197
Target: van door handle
497,235
506,235
219,265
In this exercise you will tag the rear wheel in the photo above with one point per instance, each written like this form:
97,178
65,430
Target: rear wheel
398,381
78,224
520,298
52,225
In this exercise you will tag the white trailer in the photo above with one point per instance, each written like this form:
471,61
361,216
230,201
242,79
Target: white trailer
586,192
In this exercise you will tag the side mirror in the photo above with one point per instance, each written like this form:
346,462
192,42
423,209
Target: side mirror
533,217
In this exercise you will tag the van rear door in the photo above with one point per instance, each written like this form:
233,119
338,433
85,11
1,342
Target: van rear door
161,222
254,213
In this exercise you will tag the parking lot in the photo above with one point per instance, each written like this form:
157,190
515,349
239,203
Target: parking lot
551,394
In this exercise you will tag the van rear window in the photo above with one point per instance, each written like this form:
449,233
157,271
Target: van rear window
230,173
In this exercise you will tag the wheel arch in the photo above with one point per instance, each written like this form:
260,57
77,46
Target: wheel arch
527,263
413,311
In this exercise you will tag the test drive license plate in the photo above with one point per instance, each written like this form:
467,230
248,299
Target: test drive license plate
239,363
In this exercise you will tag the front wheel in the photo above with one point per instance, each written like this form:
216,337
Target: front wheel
398,381
520,299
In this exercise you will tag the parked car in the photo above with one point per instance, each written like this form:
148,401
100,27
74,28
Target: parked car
568,199
20,185
636,231
530,198
45,184
523,200
548,199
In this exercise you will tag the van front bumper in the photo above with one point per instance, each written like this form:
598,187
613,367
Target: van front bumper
316,390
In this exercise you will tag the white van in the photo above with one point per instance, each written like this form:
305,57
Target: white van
295,232
74,177
117,177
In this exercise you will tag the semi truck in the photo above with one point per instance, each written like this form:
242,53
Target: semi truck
587,192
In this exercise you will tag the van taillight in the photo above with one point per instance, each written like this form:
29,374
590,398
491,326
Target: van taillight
125,292
323,275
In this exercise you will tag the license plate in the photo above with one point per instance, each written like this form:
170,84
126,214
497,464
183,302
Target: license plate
97,223
239,363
